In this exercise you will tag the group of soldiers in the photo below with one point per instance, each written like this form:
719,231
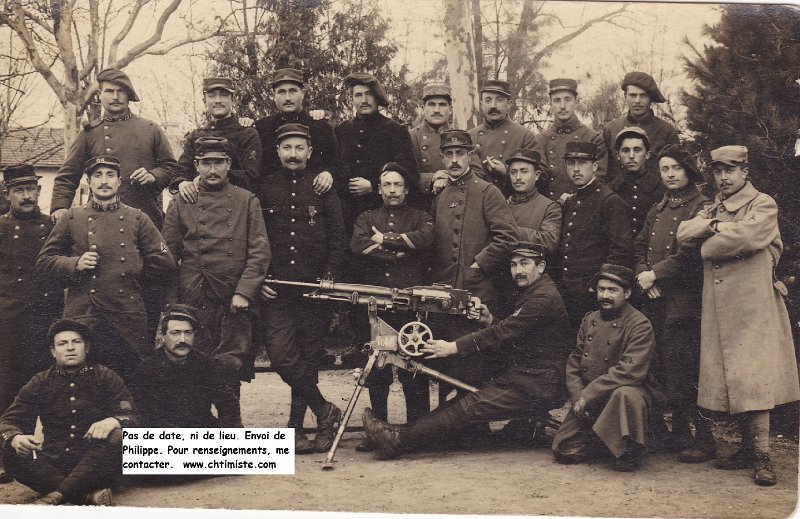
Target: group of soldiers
605,278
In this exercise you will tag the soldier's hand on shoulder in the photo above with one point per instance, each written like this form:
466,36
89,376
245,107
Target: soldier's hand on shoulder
55,215
23,444
267,293
100,430
322,183
564,197
239,303
188,191
646,279
360,186
87,261
654,292
246,122
318,115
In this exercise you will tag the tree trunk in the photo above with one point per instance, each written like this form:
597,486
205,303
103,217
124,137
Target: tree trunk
477,26
459,44
71,124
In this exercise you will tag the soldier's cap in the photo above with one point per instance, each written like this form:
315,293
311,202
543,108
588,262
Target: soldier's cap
68,325
528,249
180,312
733,155
525,155
225,83
287,75
685,159
631,132
400,170
118,77
645,82
581,150
95,162
292,130
559,84
436,90
455,139
614,273
498,86
19,174
211,148
362,78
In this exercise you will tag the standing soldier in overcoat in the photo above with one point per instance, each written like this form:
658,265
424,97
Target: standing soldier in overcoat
437,108
102,251
747,360
566,127
221,244
307,232
671,279
244,144
29,300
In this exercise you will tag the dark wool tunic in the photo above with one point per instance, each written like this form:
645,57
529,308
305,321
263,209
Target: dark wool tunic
640,192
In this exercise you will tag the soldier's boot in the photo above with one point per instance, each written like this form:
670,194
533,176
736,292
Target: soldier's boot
379,401
5,477
297,414
629,461
763,474
704,447
100,497
51,499
327,424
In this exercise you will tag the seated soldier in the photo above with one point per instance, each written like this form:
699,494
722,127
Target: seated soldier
607,376
82,407
179,384
534,340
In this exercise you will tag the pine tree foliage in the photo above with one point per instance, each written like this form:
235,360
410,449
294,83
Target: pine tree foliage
327,41
747,91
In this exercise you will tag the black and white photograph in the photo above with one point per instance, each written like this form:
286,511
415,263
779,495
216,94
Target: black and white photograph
308,258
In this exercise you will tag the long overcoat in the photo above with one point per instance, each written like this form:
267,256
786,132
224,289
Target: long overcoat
747,360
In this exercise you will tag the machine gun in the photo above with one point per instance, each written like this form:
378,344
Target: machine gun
389,346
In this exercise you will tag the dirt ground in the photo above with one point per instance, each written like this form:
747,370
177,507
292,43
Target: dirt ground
487,480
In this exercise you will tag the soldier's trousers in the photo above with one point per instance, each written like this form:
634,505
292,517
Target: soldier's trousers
120,339
76,473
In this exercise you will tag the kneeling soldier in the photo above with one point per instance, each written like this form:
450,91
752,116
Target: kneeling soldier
533,338
82,407
606,377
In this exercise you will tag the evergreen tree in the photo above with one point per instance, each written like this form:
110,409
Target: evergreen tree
327,41
747,92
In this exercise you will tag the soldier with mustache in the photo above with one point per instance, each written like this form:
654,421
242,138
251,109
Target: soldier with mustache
245,146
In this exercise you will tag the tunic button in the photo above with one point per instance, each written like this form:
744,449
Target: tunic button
606,359
292,207
671,233
105,127
16,237
74,411
122,274
614,325
94,276
291,248
586,354
674,218
293,220
121,244
717,281
552,138
72,398
120,290
67,449
121,217
294,181
653,233
107,137
122,260
90,219
391,223
122,230
72,426
565,269
71,435
72,384
91,232
716,266
291,262
502,142
291,233
92,291
424,160
294,194
108,149
19,280
388,275
424,147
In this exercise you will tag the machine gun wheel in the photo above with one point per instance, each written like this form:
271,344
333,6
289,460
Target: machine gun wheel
413,336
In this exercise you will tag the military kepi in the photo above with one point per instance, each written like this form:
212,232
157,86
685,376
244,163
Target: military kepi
614,273
225,83
730,155
455,139
581,150
559,84
436,90
19,174
292,130
211,147
498,86
181,312
633,132
118,77
68,325
525,155
646,83
109,161
291,75
528,250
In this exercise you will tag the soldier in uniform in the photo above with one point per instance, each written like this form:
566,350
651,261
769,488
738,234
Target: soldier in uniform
671,278
437,108
607,378
102,251
596,229
641,92
30,300
221,244
288,92
534,338
638,185
474,230
747,360
245,146
498,135
179,384
566,127
392,242
82,407
145,156
307,232
367,142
